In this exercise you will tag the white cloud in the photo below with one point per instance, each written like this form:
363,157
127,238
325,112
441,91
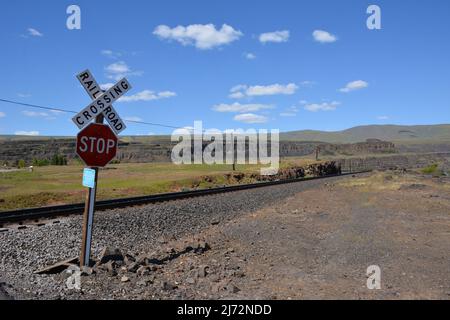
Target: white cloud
35,33
34,114
45,115
383,118
276,36
250,56
235,92
354,85
250,118
111,54
202,36
325,106
272,89
24,95
2,114
240,91
132,118
303,102
120,69
239,87
106,86
166,94
241,108
147,95
236,95
288,114
324,36
26,133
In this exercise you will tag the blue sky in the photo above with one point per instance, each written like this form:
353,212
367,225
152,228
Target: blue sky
292,64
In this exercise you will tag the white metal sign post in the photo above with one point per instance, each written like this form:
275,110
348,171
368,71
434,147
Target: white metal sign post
100,108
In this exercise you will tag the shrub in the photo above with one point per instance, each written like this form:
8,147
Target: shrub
59,160
40,162
21,164
432,169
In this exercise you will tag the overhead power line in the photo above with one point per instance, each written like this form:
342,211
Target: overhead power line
71,111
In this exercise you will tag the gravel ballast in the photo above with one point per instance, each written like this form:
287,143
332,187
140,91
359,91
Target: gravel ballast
133,229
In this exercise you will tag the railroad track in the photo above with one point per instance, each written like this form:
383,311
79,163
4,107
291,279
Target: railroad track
22,215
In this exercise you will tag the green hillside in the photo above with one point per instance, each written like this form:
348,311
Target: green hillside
396,133
406,134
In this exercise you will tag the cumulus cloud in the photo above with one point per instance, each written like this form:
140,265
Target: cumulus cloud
202,36
323,36
272,89
354,85
147,95
325,106
241,91
26,133
120,69
241,108
250,118
276,36
34,33
236,95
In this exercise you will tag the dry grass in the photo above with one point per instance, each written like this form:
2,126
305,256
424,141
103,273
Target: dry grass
54,185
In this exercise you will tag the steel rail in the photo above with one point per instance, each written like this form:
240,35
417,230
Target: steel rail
20,215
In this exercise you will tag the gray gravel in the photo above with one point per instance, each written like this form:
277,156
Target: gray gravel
134,230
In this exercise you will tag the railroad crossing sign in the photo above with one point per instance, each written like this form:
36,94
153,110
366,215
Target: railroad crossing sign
102,102
96,145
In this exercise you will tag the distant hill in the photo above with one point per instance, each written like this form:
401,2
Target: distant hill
400,134
405,134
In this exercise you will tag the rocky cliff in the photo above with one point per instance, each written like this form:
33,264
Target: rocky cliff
160,151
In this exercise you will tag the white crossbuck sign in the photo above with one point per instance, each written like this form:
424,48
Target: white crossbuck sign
102,102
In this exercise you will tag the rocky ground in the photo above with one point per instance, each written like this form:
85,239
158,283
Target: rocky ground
297,241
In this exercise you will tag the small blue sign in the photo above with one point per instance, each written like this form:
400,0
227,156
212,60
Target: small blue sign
89,178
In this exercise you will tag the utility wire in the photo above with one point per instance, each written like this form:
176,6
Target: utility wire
71,111
35,106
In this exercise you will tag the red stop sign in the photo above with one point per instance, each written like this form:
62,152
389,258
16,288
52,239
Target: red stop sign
96,145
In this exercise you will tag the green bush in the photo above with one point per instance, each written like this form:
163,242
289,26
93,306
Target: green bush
21,164
58,160
40,162
432,169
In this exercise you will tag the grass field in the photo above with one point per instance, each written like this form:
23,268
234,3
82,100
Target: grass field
52,185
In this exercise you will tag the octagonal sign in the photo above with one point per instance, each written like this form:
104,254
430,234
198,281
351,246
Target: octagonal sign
96,145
